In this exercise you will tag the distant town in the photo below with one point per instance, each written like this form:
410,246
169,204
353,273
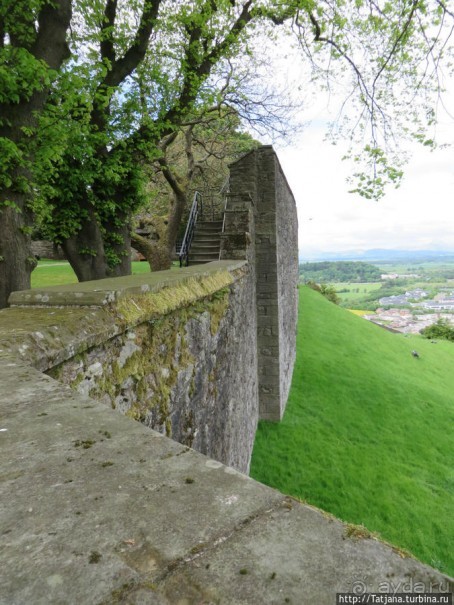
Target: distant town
403,296
441,306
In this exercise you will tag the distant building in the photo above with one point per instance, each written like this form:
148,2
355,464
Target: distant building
398,275
416,293
403,299
438,305
394,301
445,296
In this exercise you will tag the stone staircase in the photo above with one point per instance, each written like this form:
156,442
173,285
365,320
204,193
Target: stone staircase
206,242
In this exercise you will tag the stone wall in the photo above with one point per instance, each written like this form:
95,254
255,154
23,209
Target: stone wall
195,354
273,235
287,280
46,249
180,358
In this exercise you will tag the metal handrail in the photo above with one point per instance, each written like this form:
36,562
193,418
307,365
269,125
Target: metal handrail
190,228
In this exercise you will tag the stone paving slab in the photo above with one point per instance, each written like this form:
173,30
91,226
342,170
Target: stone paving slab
91,501
98,509
296,554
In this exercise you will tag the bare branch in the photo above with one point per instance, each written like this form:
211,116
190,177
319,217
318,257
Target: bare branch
445,9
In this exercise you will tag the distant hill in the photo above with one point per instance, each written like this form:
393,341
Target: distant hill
381,255
367,431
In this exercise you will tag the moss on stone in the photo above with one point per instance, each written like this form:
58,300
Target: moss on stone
359,532
217,307
74,383
133,309
146,374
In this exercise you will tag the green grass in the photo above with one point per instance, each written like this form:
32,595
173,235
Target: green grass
352,295
367,434
415,267
57,273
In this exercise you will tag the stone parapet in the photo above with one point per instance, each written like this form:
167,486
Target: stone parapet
175,350
97,509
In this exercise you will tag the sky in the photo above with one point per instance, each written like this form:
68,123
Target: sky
419,215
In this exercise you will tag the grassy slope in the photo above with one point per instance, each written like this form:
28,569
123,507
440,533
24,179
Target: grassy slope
367,434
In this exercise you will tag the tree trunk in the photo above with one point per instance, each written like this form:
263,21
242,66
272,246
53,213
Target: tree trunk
85,250
16,258
45,43
175,218
122,249
155,253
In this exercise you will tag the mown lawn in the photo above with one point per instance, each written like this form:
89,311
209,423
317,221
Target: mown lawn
57,273
367,434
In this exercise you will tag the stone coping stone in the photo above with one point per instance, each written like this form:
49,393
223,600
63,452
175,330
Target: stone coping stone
97,509
106,291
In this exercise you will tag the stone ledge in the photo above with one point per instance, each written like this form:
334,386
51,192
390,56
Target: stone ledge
98,509
106,291
62,321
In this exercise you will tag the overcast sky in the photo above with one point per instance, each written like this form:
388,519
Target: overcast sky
419,215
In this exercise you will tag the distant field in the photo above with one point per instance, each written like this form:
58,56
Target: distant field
57,273
360,312
414,267
356,291
367,434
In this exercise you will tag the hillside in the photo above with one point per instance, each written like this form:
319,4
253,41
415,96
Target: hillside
367,434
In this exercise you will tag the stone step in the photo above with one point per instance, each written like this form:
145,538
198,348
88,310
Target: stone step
211,249
206,242
193,262
195,259
207,233
208,228
206,239
204,252
212,224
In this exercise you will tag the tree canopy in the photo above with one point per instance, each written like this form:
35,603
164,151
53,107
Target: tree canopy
340,271
440,329
90,89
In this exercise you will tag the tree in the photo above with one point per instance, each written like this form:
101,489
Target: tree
440,329
393,56
328,292
144,83
340,271
194,158
32,47
139,68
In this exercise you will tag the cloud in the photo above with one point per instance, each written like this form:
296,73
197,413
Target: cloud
418,215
